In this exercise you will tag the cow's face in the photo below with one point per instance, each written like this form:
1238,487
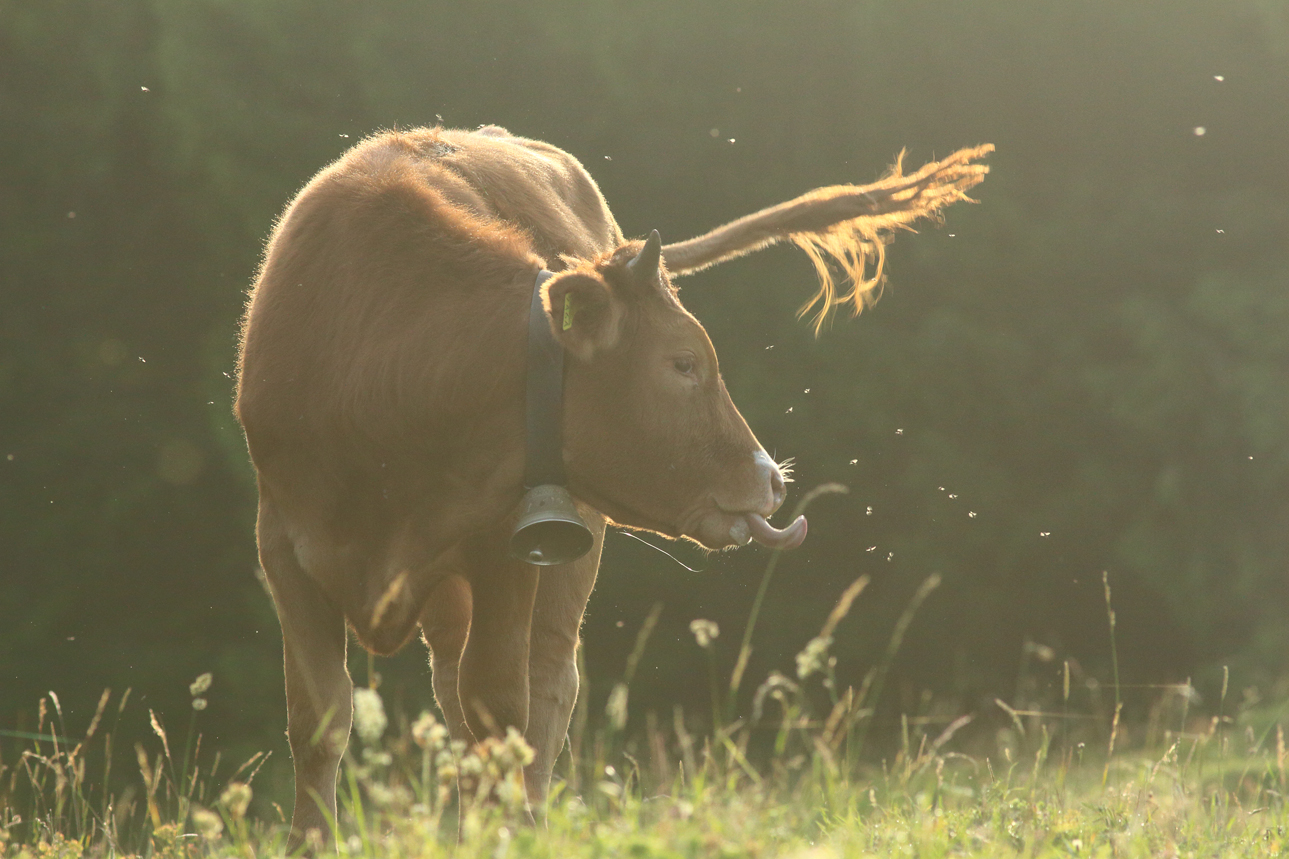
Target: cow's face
652,438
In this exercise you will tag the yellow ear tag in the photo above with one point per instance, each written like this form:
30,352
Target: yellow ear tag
568,310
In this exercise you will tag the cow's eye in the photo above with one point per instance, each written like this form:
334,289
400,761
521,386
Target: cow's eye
684,366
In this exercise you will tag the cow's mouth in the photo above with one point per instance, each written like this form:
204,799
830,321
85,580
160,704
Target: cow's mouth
712,527
722,529
768,535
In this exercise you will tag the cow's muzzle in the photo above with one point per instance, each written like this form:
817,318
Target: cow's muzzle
738,524
762,531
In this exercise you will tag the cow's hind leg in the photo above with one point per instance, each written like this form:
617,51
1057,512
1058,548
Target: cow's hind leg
319,693
552,662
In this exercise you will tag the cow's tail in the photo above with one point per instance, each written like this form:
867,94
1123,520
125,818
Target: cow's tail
847,226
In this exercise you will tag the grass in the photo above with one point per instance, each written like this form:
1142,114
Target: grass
796,775
1038,792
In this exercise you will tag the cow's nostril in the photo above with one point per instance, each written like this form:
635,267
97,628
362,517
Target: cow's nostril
777,486
772,479
771,474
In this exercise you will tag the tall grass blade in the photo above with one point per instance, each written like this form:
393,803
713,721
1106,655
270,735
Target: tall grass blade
745,647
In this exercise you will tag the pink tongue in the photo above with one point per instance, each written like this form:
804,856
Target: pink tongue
767,535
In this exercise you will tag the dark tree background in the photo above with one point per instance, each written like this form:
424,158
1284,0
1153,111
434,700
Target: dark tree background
1092,361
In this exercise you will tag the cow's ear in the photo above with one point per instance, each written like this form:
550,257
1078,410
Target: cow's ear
584,313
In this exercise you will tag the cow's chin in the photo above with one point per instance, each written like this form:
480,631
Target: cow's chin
723,530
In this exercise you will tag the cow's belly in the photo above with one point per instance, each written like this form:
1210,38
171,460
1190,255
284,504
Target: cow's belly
380,585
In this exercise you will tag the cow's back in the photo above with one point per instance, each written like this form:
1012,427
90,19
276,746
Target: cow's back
383,348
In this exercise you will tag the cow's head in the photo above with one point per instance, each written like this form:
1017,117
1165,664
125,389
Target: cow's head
652,438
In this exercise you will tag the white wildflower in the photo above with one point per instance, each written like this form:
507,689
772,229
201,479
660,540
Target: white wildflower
705,631
369,715
428,733
471,764
236,798
510,793
207,823
382,795
201,684
514,751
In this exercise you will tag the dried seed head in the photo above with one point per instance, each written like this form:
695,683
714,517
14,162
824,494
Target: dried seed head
775,686
616,708
814,657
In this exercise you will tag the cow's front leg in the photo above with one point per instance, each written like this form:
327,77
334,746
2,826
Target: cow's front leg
493,682
319,693
445,622
552,660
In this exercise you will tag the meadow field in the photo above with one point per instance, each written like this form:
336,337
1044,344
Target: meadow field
807,770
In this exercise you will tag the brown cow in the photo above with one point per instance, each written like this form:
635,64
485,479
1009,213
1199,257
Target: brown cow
381,388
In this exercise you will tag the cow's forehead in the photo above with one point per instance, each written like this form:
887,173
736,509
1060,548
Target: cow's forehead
673,319
665,298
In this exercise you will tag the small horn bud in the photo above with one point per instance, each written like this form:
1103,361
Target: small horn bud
646,263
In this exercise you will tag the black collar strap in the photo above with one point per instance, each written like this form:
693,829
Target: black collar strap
548,530
544,463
